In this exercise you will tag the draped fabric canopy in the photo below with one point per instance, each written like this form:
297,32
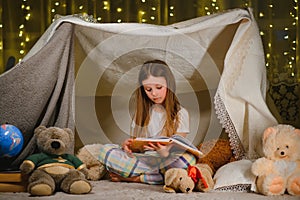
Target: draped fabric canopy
217,60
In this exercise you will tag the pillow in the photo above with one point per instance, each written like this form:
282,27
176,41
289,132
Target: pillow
235,177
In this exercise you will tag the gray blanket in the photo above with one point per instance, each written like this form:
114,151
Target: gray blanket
39,91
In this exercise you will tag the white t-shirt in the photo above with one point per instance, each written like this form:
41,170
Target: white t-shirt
158,118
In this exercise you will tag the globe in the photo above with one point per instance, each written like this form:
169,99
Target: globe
11,141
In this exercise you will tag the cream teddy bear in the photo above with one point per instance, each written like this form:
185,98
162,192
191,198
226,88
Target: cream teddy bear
279,170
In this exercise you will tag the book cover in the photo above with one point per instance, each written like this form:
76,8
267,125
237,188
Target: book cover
10,176
180,143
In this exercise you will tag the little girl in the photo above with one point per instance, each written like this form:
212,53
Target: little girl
158,113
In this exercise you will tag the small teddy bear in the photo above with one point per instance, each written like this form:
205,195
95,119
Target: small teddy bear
279,170
53,169
88,155
195,178
177,180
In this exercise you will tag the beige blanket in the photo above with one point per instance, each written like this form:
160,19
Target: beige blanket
218,62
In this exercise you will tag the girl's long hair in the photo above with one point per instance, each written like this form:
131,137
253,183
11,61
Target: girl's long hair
156,68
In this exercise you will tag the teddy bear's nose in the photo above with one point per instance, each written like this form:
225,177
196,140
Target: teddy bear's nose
188,189
55,145
282,153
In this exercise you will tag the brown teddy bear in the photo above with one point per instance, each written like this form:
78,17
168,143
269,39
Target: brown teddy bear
279,170
217,153
195,178
53,169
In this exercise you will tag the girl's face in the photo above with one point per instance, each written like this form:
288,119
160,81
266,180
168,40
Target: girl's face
155,88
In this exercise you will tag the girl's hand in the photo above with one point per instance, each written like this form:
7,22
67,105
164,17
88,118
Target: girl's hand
126,145
162,150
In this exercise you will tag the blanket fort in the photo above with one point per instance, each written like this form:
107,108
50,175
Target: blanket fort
82,75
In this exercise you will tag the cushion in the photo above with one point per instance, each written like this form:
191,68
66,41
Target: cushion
236,177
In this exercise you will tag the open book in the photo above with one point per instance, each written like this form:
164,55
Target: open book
179,144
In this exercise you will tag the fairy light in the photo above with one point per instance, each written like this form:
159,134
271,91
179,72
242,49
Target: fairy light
141,16
150,11
23,35
106,5
212,7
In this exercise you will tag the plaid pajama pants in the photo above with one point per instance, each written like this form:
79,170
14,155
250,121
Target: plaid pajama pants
149,166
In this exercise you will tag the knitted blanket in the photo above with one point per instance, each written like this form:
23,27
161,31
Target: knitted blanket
218,62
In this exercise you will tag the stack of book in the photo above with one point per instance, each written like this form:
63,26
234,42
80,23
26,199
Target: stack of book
12,181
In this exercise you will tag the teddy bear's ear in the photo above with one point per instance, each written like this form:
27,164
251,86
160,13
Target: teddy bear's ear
170,175
269,131
70,132
39,129
297,131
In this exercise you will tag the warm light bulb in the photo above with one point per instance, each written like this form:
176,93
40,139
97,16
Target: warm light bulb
27,16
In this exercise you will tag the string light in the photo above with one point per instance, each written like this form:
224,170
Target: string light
155,12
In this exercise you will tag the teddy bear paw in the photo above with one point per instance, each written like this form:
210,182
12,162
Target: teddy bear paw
294,186
276,186
41,190
80,187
